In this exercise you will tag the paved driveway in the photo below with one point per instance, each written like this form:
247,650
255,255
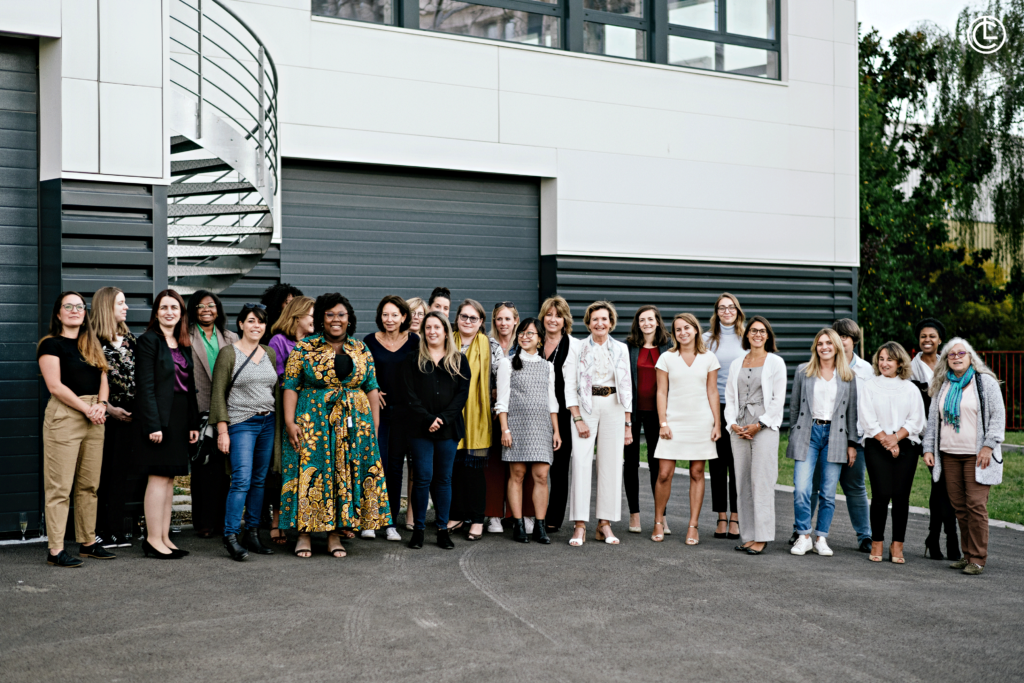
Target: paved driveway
497,611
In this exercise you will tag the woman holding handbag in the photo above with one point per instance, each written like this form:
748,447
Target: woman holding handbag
242,406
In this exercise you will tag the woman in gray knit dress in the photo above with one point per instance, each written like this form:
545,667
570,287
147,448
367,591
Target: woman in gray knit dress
527,409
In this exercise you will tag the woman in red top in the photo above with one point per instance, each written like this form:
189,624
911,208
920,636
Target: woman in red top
647,341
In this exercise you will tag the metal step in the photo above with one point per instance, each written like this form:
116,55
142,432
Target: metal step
176,210
180,143
186,230
194,166
206,250
199,271
197,189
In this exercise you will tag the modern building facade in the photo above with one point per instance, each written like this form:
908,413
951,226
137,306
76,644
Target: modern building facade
641,151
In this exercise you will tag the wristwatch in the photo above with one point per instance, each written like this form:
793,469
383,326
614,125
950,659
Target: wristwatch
762,425
506,431
103,403
628,423
577,418
664,424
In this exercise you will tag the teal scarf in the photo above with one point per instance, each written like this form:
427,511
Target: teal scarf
951,408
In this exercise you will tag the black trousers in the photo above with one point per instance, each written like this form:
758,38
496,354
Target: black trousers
723,471
469,489
942,517
558,475
394,448
116,481
891,481
648,419
209,488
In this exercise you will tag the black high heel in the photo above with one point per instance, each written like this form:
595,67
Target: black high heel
416,542
519,530
728,526
931,548
178,552
540,534
150,551
725,534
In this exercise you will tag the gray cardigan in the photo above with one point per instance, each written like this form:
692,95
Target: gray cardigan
992,422
843,430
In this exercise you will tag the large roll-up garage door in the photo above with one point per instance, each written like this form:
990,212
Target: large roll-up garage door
19,284
367,231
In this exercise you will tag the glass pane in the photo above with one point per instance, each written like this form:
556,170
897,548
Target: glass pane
704,54
632,8
377,11
451,16
614,41
751,18
696,13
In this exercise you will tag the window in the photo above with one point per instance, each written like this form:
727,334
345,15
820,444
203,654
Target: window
733,36
509,21
376,11
617,28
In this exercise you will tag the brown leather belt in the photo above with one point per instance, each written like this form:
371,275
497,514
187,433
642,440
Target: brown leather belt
265,412
821,422
602,391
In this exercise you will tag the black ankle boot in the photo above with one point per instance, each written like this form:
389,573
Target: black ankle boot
252,542
952,548
519,530
931,548
540,532
416,542
444,539
235,550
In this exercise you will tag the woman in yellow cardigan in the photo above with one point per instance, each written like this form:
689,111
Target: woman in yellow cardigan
469,485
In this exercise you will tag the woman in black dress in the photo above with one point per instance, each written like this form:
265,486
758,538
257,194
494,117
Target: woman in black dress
168,415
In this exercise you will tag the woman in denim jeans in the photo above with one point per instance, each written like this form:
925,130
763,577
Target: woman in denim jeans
242,406
823,432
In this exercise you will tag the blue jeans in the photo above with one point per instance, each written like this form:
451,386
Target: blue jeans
856,492
432,472
803,483
252,443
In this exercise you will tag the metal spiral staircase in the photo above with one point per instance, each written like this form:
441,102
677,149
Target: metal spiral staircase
224,148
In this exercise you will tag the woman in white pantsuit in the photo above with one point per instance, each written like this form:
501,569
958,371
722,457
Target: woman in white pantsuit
754,399
599,394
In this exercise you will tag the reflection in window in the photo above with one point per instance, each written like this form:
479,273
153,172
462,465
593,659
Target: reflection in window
377,11
751,18
632,8
735,59
481,21
614,41
696,13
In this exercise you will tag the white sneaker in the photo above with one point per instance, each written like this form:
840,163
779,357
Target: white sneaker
802,545
821,547
494,526
528,521
368,533
393,534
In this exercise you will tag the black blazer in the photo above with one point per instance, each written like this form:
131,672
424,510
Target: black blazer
432,394
634,356
154,385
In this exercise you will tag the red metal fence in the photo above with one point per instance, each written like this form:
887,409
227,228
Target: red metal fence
1009,366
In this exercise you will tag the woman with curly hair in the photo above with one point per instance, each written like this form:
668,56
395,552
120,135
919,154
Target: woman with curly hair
332,476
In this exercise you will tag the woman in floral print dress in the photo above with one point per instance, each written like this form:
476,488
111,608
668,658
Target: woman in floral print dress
330,464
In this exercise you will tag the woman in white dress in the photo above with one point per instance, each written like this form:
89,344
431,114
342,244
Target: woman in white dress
688,410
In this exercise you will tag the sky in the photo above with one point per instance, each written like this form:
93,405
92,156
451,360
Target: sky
892,16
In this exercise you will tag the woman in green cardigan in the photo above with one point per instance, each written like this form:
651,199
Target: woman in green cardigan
242,407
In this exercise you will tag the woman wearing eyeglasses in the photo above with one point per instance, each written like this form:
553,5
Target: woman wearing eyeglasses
209,481
74,368
963,438
417,309
242,409
333,478
469,484
723,338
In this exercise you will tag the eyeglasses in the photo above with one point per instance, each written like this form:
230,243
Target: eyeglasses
213,307
954,355
505,304
468,318
335,316
73,307
726,309
527,335
758,333
249,307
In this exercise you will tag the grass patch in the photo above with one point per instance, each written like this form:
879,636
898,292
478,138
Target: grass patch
1005,502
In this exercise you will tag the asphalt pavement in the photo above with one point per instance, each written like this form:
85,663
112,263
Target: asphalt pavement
495,611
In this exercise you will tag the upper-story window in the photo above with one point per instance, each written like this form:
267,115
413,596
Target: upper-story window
733,36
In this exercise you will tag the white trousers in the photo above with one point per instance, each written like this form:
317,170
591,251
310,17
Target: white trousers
607,425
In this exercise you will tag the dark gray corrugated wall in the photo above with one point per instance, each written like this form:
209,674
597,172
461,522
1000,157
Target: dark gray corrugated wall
367,231
19,283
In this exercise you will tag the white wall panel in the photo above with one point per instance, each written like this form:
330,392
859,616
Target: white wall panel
845,65
131,130
423,57
846,196
847,239
31,17
809,149
811,60
80,142
810,18
846,111
394,105
79,21
846,152
812,104
284,30
131,42
844,16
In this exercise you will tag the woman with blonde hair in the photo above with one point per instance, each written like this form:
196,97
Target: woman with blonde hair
822,432
436,384
599,394
417,309
891,414
558,345
689,418
724,339
74,368
108,323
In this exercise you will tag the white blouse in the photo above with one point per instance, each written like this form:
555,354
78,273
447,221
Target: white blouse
919,370
888,404
505,382
604,371
824,397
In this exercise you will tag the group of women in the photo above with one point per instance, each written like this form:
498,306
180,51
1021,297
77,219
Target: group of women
506,425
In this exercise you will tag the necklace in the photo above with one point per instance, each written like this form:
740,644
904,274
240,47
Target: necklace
391,345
